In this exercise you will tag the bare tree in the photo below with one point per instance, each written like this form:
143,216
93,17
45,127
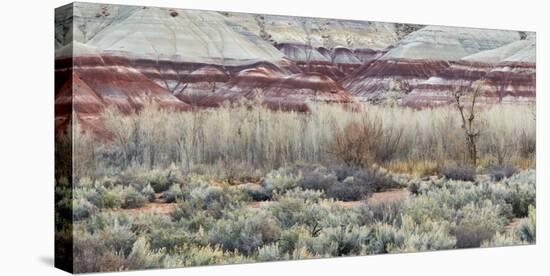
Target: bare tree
467,117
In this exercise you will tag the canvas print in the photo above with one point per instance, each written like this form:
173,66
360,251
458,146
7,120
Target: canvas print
192,138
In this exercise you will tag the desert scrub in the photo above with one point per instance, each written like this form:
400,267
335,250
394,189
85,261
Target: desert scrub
526,230
141,257
339,182
184,210
114,236
290,210
348,240
477,224
280,180
270,252
305,176
204,196
379,211
114,248
148,193
113,198
256,192
522,234
132,199
479,211
442,198
245,230
385,239
173,194
168,238
503,239
428,236
161,180
110,198
82,209
215,200
119,238
211,226
316,178
308,196
198,255
158,181
519,191
348,190
499,172
459,172
414,186
90,254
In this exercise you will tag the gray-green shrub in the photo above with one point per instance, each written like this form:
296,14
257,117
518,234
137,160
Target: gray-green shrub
132,199
82,209
527,229
477,224
459,172
245,231
270,252
499,172
148,192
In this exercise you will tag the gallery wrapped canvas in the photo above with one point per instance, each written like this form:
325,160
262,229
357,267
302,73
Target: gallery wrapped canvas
190,138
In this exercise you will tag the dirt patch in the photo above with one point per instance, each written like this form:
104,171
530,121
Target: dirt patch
380,197
351,204
153,207
513,223
248,185
158,206
254,204
388,196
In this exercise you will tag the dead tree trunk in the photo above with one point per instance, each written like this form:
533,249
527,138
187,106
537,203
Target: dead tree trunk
471,133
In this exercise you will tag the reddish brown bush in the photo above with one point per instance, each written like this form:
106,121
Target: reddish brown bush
366,142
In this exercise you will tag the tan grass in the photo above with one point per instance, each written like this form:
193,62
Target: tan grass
260,138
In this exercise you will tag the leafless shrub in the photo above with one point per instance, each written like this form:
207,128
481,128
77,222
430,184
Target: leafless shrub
527,144
498,147
235,141
366,142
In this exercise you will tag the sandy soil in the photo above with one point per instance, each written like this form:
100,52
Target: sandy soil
255,204
157,206
512,224
160,207
387,196
153,207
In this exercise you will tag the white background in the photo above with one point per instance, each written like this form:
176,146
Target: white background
26,135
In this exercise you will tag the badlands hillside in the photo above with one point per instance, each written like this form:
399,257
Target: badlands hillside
127,55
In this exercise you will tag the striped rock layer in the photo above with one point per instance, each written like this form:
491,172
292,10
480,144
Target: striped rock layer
127,56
